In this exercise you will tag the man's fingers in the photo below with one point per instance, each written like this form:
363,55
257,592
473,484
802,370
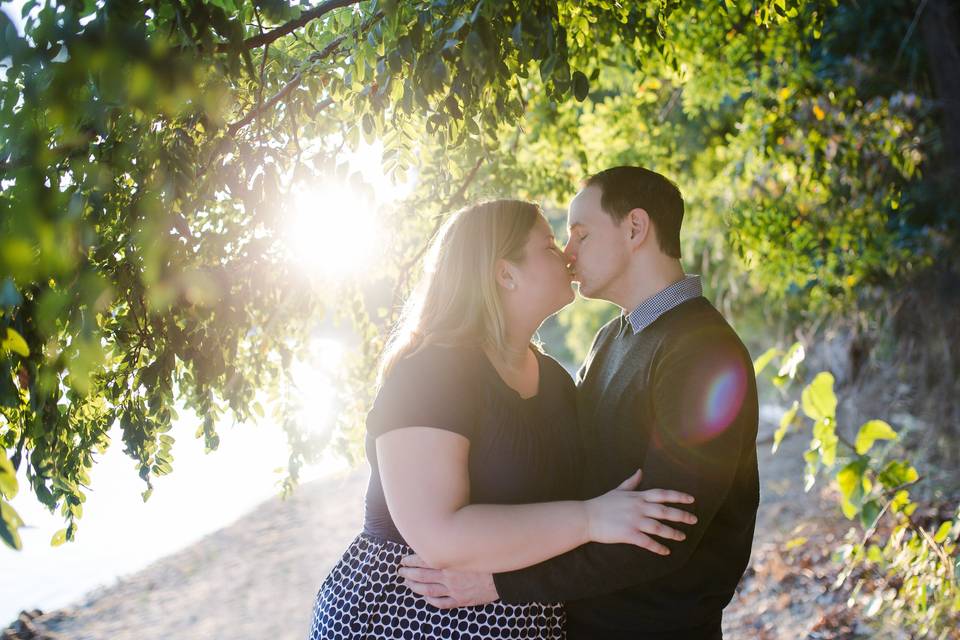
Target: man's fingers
420,575
666,495
427,589
413,560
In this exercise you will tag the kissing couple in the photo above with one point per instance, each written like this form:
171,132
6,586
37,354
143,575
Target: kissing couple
507,500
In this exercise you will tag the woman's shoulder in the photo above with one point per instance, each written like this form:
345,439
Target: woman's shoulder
433,364
554,372
437,356
432,386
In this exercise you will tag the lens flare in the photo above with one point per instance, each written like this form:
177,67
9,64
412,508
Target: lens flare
721,402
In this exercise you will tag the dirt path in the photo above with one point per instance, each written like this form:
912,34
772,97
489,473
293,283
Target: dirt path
254,579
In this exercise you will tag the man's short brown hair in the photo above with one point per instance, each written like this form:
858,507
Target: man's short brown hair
623,189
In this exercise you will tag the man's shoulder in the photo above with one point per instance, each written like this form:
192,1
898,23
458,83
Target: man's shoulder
698,325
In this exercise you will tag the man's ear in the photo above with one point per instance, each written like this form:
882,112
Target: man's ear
506,278
638,226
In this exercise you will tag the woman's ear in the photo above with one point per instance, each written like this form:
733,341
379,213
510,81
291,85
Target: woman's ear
638,226
506,275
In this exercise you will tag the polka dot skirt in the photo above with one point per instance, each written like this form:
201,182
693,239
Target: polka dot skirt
364,597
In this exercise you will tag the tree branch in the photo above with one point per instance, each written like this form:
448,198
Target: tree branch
454,200
294,82
289,27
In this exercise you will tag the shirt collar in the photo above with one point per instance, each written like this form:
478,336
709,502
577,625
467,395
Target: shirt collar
655,306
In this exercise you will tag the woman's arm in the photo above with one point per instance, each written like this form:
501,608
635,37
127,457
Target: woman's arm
426,484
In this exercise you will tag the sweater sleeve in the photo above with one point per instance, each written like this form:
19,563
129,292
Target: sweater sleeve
704,408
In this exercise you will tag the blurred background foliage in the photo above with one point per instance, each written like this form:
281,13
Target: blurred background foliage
150,151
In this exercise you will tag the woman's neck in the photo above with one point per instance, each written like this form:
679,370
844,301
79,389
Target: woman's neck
515,352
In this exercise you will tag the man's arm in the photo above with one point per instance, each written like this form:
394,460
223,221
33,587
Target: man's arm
704,406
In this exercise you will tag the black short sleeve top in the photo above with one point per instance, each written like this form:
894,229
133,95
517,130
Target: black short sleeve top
522,450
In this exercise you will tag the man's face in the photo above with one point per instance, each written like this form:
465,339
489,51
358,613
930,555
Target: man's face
597,247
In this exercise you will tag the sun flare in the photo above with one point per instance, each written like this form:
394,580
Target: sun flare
333,231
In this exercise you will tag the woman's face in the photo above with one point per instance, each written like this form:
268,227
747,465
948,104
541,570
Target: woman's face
542,277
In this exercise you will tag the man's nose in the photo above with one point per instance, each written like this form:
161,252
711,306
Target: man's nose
568,252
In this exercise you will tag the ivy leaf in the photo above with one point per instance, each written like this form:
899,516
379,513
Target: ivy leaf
872,431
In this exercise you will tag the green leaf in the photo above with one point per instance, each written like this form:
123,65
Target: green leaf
793,358
869,514
794,543
850,481
8,477
898,473
785,423
943,532
15,342
818,399
849,478
581,86
10,521
872,431
761,363
58,538
825,439
810,471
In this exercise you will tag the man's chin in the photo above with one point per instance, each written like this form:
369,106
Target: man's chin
583,289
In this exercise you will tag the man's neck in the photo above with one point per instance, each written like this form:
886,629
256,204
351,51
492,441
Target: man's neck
644,280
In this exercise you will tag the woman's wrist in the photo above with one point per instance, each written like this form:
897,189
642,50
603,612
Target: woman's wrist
588,517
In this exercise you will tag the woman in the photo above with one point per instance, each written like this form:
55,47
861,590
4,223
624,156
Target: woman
472,443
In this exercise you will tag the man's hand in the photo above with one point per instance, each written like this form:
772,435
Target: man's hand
447,589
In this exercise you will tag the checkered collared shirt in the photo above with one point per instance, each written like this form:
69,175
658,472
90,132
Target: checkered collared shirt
655,306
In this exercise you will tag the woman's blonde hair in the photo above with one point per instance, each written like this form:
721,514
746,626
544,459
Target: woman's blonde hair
457,302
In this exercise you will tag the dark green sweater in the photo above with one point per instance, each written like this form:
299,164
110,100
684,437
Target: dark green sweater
678,400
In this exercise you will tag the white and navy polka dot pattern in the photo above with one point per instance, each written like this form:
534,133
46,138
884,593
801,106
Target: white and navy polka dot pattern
673,296
363,597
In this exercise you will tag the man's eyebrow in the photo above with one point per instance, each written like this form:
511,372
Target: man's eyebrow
571,227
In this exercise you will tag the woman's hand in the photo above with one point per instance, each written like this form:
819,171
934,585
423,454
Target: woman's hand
627,516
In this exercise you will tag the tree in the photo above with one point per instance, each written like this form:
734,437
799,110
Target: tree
146,147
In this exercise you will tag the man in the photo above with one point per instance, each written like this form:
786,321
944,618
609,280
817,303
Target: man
668,387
